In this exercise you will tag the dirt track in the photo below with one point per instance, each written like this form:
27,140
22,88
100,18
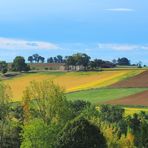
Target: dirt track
140,80
136,99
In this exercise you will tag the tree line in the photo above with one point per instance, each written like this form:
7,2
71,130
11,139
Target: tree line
75,60
79,59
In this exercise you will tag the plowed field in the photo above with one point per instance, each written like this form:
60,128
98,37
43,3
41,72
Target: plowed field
137,81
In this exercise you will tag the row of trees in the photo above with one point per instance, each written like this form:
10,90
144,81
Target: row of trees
122,61
57,59
18,64
36,58
82,59
47,119
77,59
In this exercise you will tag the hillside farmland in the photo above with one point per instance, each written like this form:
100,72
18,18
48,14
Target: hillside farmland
70,81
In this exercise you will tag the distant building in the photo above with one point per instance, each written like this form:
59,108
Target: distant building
74,68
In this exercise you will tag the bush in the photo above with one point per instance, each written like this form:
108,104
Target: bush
80,133
111,113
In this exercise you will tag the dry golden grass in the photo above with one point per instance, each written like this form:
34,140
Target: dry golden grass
72,81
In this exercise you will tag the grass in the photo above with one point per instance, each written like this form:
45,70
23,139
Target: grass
70,81
97,96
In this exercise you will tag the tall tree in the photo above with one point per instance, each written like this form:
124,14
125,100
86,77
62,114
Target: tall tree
42,59
49,100
50,60
60,59
85,59
36,58
19,64
3,67
123,61
30,59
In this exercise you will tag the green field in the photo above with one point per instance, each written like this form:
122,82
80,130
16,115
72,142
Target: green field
97,96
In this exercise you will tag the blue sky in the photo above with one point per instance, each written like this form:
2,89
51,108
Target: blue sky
105,29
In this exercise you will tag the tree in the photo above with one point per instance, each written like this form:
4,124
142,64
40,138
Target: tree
60,59
98,63
80,133
42,59
139,64
19,64
30,59
55,60
49,101
114,61
107,64
50,60
38,134
78,106
3,67
144,134
92,65
85,59
111,113
123,61
36,58
5,97
70,61
9,135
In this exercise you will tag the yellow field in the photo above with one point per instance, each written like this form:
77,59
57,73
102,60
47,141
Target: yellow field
131,111
72,81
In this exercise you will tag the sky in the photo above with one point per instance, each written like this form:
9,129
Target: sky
104,29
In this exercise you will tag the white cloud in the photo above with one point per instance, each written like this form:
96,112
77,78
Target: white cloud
18,44
120,9
122,47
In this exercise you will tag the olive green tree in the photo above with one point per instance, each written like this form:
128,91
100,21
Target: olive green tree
80,133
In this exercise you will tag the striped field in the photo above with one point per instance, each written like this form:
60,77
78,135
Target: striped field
70,81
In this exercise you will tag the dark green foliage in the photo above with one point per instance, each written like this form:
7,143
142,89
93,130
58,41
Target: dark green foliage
144,134
80,133
30,59
3,67
134,123
111,113
123,61
17,112
78,106
57,59
122,126
19,64
78,60
9,134
36,58
9,127
139,127
99,63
